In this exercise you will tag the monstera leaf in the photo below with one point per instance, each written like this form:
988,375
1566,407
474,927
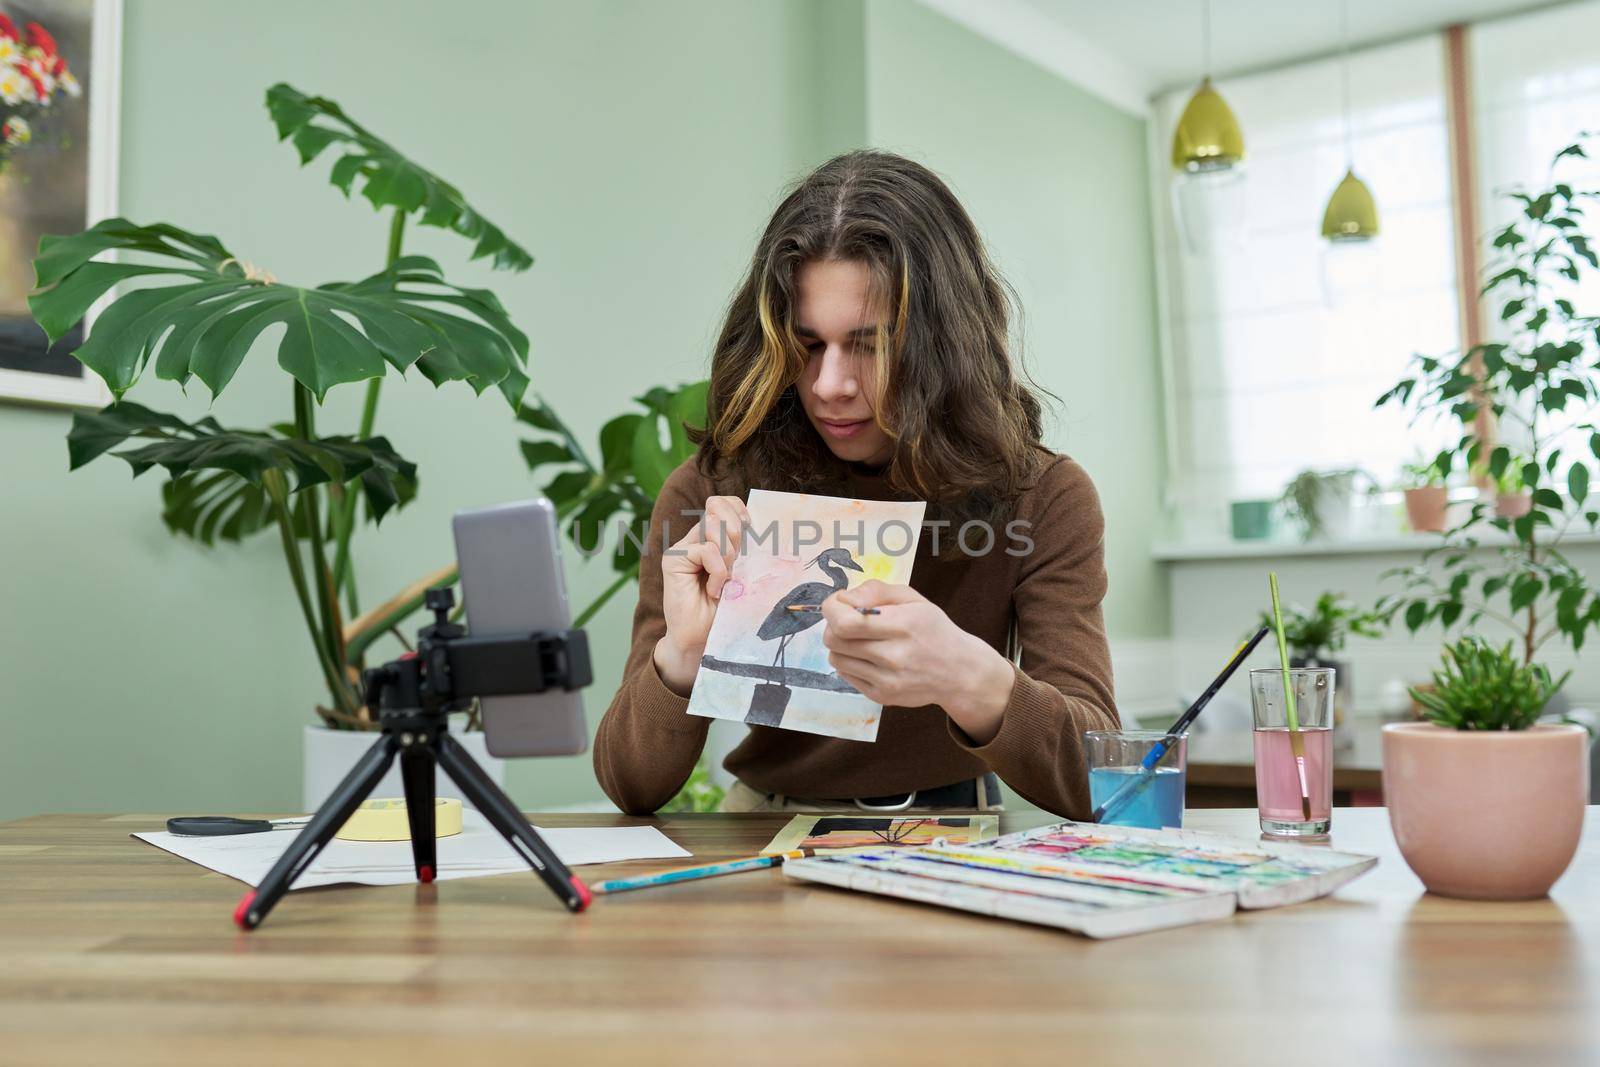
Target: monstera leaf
193,454
211,308
634,464
216,506
673,410
388,179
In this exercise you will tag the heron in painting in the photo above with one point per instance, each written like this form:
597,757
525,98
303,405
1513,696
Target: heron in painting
781,623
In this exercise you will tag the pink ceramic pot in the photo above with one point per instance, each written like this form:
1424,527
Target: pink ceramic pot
1514,506
1486,815
1426,508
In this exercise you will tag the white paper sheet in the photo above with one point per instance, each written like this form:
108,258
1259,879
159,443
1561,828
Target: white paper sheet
476,851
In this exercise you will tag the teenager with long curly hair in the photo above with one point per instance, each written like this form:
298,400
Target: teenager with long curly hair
867,354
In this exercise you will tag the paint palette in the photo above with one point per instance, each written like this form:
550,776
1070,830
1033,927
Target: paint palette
1099,881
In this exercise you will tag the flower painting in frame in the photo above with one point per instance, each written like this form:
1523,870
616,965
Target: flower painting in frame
59,62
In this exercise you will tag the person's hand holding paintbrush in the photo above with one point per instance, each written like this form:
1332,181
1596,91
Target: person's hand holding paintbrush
897,647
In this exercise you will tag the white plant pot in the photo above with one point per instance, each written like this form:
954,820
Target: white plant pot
327,756
1340,521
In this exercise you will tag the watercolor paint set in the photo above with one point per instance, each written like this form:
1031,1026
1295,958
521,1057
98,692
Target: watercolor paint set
1098,881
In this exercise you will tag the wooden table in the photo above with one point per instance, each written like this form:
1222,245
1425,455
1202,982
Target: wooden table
117,953
1222,768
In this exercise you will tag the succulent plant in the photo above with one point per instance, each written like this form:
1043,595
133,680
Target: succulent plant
1481,687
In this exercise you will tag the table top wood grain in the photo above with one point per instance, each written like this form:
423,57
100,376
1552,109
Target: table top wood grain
116,952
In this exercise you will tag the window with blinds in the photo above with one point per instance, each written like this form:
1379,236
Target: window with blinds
1536,85
1280,343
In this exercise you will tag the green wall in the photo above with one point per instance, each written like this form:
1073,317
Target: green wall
1056,180
637,149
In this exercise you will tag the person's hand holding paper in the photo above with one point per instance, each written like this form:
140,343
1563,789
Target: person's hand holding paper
693,572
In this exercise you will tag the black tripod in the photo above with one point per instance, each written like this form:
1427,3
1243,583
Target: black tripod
414,696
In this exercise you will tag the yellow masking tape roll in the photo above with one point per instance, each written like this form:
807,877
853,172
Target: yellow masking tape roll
384,819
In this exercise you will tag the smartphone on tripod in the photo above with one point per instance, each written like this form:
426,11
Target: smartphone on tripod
512,582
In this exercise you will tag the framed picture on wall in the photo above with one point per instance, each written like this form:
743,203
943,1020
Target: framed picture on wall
59,85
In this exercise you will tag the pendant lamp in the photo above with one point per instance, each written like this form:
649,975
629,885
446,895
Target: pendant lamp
1208,136
1352,214
1207,158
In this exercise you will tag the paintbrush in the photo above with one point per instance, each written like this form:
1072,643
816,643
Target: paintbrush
1147,766
818,607
1297,742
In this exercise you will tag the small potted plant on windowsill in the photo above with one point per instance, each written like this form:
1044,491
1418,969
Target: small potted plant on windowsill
1508,490
1427,496
1251,520
1323,503
1485,801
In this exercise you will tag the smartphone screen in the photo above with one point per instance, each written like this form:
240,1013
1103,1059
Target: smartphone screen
512,583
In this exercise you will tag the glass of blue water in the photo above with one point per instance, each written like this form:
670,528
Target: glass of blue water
1153,799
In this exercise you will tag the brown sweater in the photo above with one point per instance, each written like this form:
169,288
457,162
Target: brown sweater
647,743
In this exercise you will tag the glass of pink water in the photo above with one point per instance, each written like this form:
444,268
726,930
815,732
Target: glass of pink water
1279,773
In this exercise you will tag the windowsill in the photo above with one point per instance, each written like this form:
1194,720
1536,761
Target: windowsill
1211,551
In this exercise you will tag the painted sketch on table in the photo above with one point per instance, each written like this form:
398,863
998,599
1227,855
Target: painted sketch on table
764,663
823,834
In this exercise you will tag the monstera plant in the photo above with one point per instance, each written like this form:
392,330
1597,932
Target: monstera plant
192,308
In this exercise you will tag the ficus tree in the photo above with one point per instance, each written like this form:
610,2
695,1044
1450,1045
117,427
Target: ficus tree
1524,400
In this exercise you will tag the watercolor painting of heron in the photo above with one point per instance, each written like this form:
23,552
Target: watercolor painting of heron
765,663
